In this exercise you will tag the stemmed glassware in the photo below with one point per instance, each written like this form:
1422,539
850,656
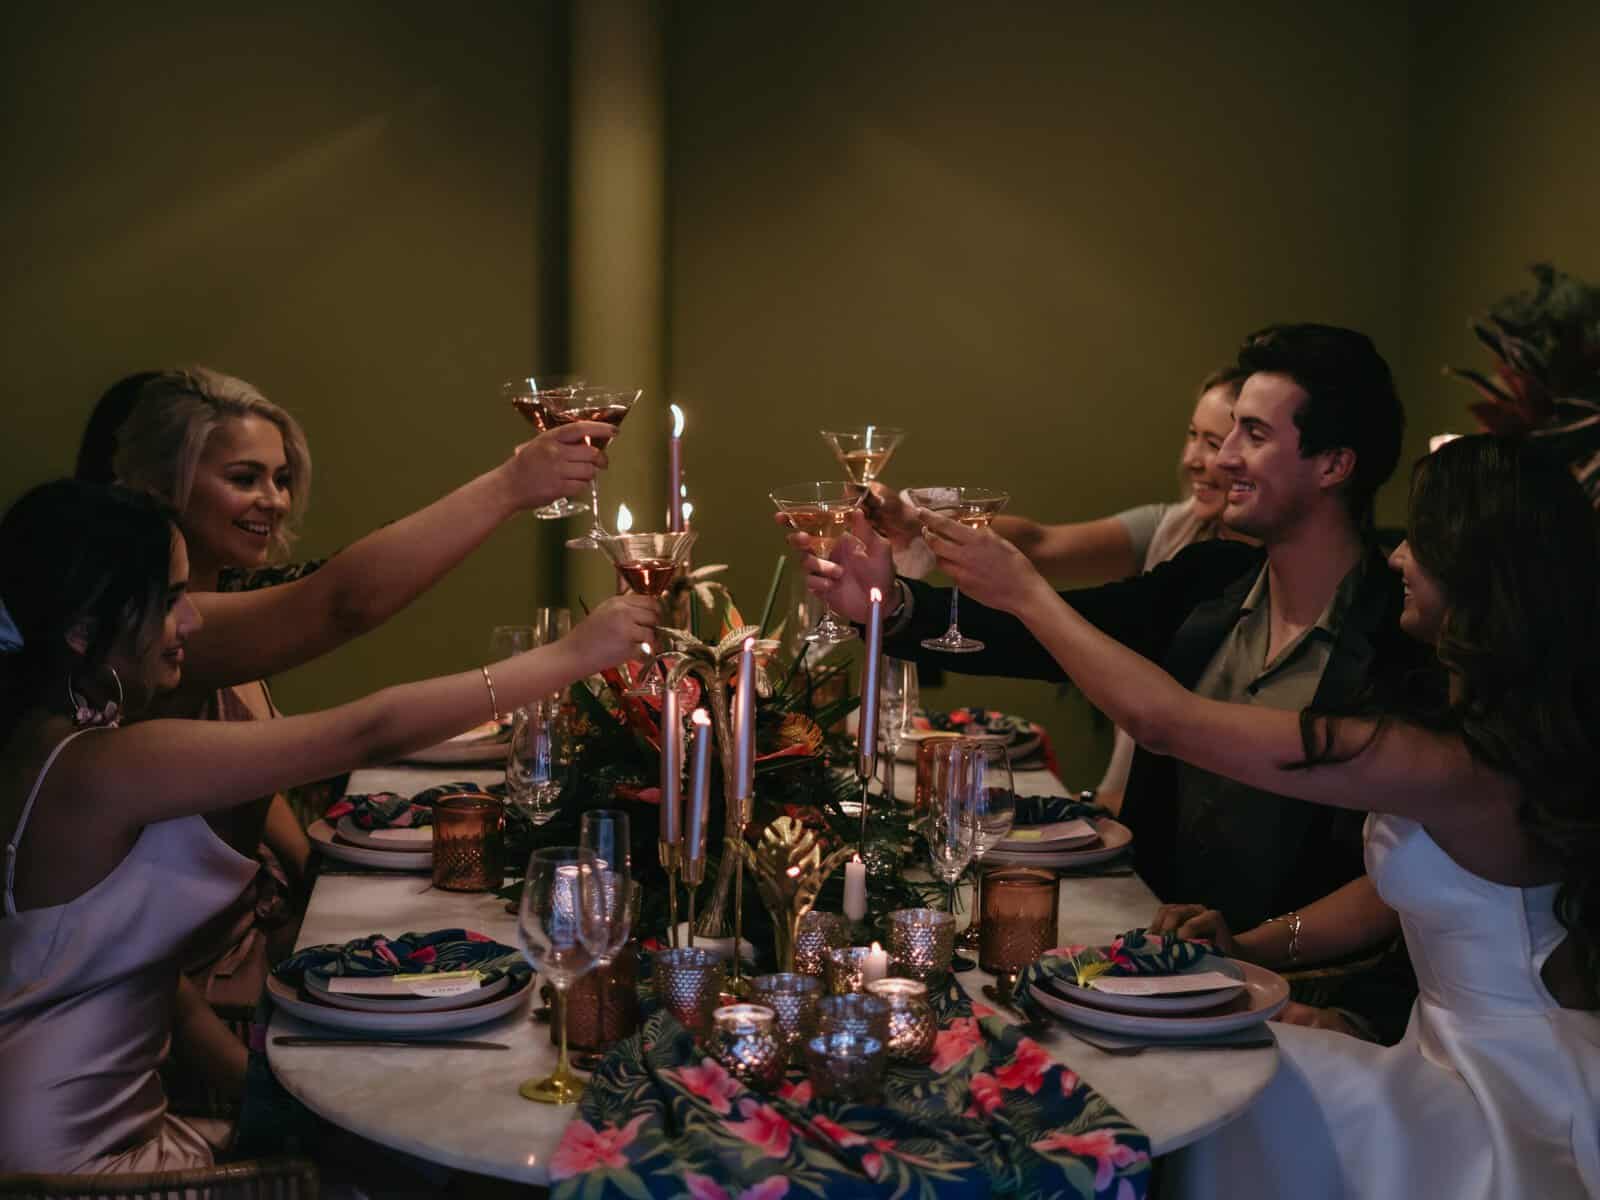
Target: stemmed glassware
864,450
594,404
897,704
974,508
536,758
646,563
952,826
990,784
822,510
604,832
533,399
558,925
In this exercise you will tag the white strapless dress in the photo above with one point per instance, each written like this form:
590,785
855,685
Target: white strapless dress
1493,1094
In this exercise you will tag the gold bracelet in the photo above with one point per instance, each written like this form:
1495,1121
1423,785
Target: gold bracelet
1292,920
494,705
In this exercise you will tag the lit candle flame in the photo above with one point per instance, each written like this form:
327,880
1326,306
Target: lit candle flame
677,420
876,948
793,872
688,510
701,717
624,519
875,596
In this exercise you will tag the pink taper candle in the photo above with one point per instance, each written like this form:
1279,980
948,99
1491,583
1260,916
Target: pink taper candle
694,841
675,473
744,724
867,726
671,769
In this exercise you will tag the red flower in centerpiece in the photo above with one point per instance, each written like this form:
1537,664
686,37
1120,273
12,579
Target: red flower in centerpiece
710,1083
583,1147
954,1043
987,1095
1099,1144
764,1127
1026,1068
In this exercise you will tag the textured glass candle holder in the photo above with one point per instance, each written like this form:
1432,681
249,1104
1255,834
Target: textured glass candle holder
793,999
1019,918
857,1013
912,1025
688,983
842,1066
819,932
921,943
467,843
744,1039
847,969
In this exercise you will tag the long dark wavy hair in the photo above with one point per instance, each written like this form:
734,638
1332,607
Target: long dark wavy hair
77,554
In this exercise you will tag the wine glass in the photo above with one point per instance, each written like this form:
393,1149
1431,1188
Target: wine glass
646,563
974,508
534,760
604,832
863,451
823,510
897,704
506,640
994,805
556,925
951,828
594,404
533,398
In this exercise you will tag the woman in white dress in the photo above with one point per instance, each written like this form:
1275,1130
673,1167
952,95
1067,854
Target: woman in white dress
1484,838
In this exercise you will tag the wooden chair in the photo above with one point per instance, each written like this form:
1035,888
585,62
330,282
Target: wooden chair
256,1179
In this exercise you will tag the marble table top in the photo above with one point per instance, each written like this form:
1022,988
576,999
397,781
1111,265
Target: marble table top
461,1108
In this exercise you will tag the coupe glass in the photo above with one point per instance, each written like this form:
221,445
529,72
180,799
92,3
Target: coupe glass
974,508
863,451
646,563
595,404
533,398
558,922
822,510
535,760
994,806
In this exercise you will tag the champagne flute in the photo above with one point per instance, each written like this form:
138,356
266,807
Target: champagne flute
506,640
646,564
994,805
533,398
604,832
897,705
595,404
556,924
863,451
974,508
535,758
951,828
822,510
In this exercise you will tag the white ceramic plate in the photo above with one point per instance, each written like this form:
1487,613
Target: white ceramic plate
411,840
1115,837
1015,845
1023,747
1265,993
317,987
322,836
464,748
1157,1006
391,1024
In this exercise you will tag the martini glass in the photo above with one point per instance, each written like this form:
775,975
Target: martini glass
646,563
863,451
534,398
594,404
823,510
974,508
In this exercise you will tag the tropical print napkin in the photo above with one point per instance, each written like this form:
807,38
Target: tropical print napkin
1133,953
409,954
390,810
991,1115
1047,810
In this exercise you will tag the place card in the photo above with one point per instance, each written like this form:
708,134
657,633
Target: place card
441,983
1050,837
1164,985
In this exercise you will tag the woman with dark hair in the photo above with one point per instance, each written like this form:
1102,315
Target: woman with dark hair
110,865
1484,837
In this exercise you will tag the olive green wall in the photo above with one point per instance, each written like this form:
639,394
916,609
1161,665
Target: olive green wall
347,204
1024,231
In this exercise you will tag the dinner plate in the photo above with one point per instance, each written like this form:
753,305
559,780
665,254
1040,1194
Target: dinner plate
396,1023
1020,740
413,839
1265,993
323,837
1015,844
1115,837
486,743
1158,1006
317,988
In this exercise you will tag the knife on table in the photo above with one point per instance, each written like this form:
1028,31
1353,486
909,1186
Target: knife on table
283,1039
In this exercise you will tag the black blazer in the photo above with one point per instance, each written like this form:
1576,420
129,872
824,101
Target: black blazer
1178,614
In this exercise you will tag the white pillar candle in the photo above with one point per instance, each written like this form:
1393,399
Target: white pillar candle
855,889
877,965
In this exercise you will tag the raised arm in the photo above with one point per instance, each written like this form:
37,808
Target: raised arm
249,635
1080,552
156,770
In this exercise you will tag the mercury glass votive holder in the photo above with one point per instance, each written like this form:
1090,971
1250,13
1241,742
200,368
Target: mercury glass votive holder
688,982
819,932
847,969
912,1025
1019,918
744,1039
857,1013
843,1066
793,1000
921,943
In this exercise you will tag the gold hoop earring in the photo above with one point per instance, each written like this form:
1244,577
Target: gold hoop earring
86,716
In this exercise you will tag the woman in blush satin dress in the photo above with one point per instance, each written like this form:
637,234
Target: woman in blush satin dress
1484,838
110,864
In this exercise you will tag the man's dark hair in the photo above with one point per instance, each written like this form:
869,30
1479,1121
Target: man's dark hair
1350,402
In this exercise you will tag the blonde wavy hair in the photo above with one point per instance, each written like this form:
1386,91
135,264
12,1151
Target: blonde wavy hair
159,446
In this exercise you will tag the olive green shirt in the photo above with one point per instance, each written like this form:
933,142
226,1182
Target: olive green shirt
1236,843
